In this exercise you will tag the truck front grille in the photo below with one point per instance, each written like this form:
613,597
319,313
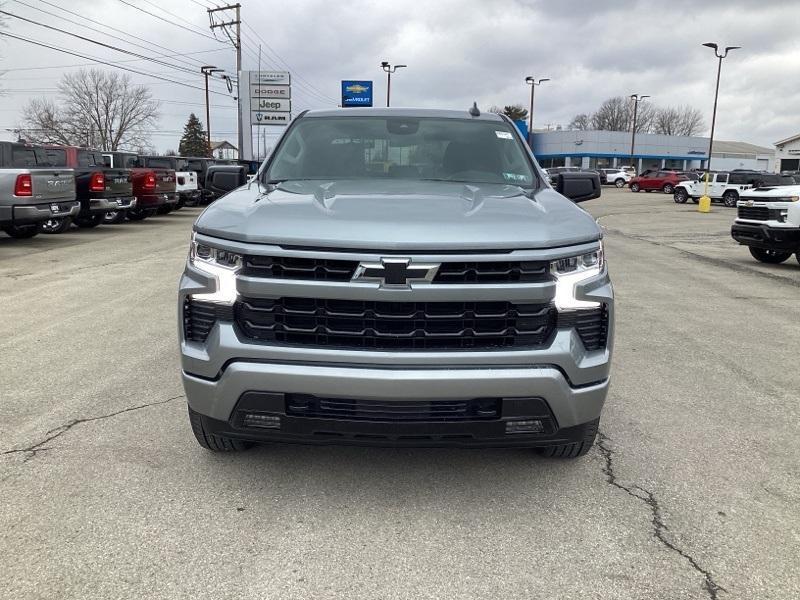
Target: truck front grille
754,213
318,269
388,410
395,325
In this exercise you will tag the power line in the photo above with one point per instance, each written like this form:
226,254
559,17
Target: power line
104,62
102,44
89,64
147,12
149,45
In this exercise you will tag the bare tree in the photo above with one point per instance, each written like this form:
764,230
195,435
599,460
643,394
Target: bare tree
581,122
100,109
682,120
613,115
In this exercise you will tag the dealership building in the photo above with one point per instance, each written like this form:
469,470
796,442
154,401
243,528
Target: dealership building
604,149
787,153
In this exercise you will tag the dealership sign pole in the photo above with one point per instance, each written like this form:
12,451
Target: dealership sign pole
266,100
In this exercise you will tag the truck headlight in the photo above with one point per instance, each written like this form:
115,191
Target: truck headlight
572,270
221,264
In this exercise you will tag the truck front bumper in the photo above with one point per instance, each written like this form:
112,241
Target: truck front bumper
24,214
766,237
249,395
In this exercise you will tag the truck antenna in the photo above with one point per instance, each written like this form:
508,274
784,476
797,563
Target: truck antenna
475,111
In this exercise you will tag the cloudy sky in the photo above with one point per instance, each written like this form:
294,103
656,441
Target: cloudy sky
457,51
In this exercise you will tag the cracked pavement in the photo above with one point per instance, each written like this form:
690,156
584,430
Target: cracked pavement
691,491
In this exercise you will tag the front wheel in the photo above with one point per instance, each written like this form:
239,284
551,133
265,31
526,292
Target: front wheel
22,232
620,183
680,196
635,187
772,257
730,199
56,225
668,188
213,442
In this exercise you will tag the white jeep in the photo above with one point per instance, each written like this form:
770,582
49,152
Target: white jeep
727,186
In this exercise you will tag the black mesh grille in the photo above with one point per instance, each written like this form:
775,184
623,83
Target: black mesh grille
396,325
591,325
317,269
290,267
199,317
387,410
756,213
492,272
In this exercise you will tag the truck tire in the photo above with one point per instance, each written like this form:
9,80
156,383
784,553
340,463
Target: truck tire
668,188
772,257
210,441
620,183
87,222
22,232
680,196
635,187
574,449
56,225
730,198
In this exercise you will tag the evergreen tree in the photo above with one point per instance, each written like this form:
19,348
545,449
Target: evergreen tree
194,141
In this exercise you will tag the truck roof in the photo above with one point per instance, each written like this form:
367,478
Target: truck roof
402,112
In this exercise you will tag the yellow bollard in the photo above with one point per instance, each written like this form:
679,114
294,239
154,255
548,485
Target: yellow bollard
704,205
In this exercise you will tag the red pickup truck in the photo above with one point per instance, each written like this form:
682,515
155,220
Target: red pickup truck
153,187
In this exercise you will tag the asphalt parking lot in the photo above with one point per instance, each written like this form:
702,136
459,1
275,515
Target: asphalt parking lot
692,491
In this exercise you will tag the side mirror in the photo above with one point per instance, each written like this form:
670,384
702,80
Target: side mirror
221,179
578,187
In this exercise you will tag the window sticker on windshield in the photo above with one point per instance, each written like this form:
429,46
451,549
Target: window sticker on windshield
504,135
514,177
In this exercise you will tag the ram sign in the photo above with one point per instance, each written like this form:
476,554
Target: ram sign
356,93
264,103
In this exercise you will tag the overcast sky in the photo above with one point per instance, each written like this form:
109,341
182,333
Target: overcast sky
457,51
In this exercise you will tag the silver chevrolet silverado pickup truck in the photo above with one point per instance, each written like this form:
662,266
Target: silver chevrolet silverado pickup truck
398,277
31,192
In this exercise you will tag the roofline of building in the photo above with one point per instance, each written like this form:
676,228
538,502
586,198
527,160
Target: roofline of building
620,155
787,140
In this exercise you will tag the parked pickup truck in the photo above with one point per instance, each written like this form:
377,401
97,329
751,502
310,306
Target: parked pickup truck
31,191
768,223
99,188
727,186
185,180
153,187
451,297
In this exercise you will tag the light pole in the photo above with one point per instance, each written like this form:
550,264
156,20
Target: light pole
636,99
389,70
207,70
705,201
531,81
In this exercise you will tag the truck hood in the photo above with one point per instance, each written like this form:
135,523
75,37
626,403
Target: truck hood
774,191
397,215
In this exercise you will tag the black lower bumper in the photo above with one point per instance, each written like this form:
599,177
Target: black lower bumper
279,425
766,237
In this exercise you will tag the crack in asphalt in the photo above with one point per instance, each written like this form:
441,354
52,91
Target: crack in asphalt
34,449
659,527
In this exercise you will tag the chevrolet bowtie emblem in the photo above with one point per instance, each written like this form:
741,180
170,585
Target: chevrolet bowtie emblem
395,272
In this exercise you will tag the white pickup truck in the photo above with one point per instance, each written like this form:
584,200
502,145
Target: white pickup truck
768,222
727,186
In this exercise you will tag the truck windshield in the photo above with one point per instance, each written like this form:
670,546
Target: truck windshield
408,148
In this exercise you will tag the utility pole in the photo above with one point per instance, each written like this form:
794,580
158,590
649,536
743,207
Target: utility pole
237,44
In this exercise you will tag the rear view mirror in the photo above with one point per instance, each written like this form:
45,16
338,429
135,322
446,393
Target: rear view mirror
578,187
